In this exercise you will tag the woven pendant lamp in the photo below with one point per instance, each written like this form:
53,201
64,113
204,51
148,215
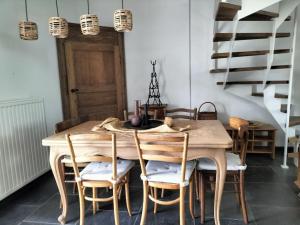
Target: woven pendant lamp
27,29
58,27
89,23
123,19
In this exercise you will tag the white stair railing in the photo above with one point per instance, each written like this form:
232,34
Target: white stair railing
291,80
286,8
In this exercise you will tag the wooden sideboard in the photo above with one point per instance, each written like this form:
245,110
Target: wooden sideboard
262,139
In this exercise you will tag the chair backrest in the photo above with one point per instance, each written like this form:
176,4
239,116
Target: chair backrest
165,147
182,113
151,113
66,124
242,127
73,140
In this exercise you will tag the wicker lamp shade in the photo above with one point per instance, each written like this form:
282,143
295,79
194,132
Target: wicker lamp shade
28,30
58,27
123,20
89,24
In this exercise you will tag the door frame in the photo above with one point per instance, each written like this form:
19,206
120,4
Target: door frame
75,35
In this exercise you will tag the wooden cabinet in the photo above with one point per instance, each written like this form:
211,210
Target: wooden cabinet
262,139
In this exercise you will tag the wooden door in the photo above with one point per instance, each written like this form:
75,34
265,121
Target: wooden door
92,74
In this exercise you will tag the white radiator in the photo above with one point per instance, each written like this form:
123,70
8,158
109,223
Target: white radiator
22,157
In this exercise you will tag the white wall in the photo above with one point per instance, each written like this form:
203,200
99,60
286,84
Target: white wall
160,32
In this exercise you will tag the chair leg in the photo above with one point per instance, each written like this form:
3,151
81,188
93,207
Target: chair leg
237,189
162,194
182,206
145,202
62,167
94,202
116,205
127,195
242,197
202,198
191,197
196,184
81,202
120,192
155,204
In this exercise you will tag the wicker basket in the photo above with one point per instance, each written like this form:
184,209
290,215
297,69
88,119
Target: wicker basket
123,20
89,24
28,30
58,27
206,115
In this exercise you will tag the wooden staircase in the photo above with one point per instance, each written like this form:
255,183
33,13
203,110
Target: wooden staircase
256,77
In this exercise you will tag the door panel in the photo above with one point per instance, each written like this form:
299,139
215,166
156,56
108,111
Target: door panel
94,78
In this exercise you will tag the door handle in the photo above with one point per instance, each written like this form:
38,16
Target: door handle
74,90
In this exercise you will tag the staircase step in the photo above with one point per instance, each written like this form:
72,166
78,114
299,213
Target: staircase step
283,108
284,96
294,121
253,82
245,69
247,53
227,12
263,16
246,36
258,94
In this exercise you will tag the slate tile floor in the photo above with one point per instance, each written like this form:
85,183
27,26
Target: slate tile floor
270,192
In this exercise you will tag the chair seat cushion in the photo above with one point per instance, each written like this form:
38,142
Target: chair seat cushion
168,172
233,163
102,171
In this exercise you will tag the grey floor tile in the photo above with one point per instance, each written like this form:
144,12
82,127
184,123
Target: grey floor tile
38,192
264,174
271,194
136,195
49,212
276,215
107,218
230,209
14,214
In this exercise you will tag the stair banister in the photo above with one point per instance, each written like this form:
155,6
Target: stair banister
231,45
286,7
284,165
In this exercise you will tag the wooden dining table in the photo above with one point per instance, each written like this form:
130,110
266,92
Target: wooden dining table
207,139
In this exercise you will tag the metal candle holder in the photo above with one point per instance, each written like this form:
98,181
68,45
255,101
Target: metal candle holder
154,94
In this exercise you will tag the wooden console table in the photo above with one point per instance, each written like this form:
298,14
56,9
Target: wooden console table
262,139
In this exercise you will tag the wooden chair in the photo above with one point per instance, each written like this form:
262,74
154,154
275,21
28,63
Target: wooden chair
167,168
151,113
66,163
236,166
182,113
101,172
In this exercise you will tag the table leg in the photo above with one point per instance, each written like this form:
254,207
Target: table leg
55,164
221,162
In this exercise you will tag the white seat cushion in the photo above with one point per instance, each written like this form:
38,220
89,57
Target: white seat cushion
233,163
168,172
102,171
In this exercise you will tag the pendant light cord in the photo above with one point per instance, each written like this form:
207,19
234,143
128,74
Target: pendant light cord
122,4
57,8
88,6
26,11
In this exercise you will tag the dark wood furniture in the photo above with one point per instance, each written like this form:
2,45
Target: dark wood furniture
262,139
159,108
92,73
